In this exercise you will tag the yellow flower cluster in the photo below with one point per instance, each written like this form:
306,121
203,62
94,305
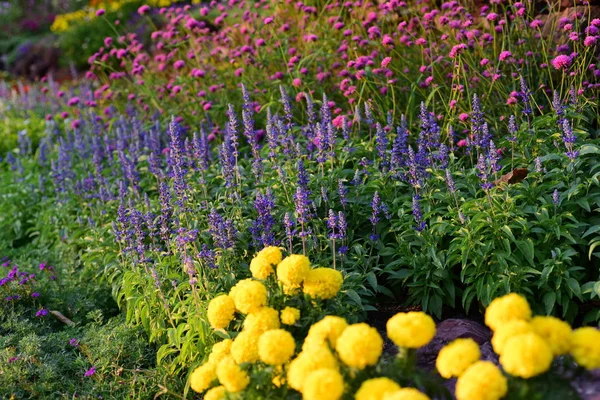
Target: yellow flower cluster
359,345
411,330
221,311
290,315
456,357
585,348
481,381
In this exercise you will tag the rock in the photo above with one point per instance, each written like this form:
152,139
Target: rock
35,60
449,330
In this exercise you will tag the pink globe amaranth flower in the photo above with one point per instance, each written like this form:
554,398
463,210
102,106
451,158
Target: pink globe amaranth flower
179,64
48,117
590,40
100,12
385,62
260,42
297,82
207,106
504,55
90,371
239,72
463,116
75,124
462,143
108,42
484,62
492,16
143,9
268,20
73,101
561,62
452,104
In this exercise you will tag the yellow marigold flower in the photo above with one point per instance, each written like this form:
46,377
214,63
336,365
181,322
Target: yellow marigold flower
279,377
307,362
376,389
276,347
220,351
203,377
554,331
290,315
456,357
216,393
249,295
262,320
272,254
323,384
507,308
323,283
526,355
411,330
261,268
507,331
221,310
293,270
481,381
328,329
586,347
245,347
359,345
231,376
406,394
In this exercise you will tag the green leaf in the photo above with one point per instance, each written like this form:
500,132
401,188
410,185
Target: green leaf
549,301
526,247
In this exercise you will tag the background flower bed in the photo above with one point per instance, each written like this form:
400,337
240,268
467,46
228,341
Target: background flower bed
429,225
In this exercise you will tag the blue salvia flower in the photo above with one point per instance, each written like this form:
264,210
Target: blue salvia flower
287,109
342,225
288,224
302,174
272,134
262,227
302,203
176,153
494,157
442,156
250,134
400,146
343,192
357,117
310,111
382,141
450,182
231,132
376,210
573,96
414,177
222,231
486,136
357,179
201,150
539,168
569,139
321,143
512,129
418,216
332,224
483,173
429,135
137,223
24,142
559,108
555,197
525,95
227,161
324,194
368,114
345,129
477,121
208,256
164,197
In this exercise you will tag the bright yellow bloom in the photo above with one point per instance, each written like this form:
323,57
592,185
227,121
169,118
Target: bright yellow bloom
293,270
328,329
554,331
406,394
481,381
216,393
220,351
272,254
276,347
507,308
262,320
323,283
376,389
359,345
526,355
507,331
456,357
290,315
323,384
245,347
586,347
221,310
231,376
261,268
411,330
249,295
307,362
278,378
203,377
